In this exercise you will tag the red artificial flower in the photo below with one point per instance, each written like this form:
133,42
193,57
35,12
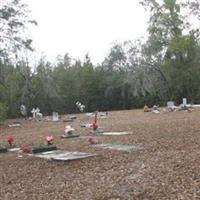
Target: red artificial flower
91,140
26,149
10,140
94,126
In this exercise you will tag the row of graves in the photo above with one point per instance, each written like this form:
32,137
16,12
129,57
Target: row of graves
171,107
50,151
38,116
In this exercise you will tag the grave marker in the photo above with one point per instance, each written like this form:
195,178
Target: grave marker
170,104
23,110
55,117
184,102
63,155
119,147
116,133
36,114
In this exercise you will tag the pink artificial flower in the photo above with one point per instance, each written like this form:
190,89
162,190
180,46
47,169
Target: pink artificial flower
49,138
68,129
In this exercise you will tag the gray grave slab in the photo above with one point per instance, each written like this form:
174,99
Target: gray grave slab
117,133
14,125
60,155
103,117
69,136
196,106
90,114
120,147
14,149
86,125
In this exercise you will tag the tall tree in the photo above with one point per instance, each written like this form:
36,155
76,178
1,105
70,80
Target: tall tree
14,18
172,39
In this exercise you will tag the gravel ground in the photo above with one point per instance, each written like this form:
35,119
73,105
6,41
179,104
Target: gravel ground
168,166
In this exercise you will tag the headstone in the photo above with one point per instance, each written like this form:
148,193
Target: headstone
23,110
37,110
36,114
184,102
170,104
55,117
34,111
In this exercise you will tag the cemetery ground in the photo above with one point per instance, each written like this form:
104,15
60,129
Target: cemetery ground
167,166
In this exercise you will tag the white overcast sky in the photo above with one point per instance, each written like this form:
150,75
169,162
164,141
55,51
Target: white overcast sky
78,27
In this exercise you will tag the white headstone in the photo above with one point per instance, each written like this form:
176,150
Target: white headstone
55,116
170,104
36,114
184,101
33,111
23,110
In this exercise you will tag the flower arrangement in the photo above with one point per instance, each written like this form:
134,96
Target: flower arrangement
49,140
69,130
80,106
10,140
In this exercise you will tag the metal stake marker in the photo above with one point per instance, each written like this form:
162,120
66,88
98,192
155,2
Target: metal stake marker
95,117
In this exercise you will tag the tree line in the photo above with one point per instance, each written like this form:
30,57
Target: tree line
164,67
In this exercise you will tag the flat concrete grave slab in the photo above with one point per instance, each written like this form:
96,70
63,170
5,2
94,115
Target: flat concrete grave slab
60,155
15,124
120,147
117,133
69,136
85,125
14,149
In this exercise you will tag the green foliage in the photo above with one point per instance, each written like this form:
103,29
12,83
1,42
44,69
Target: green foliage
165,67
3,111
13,21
